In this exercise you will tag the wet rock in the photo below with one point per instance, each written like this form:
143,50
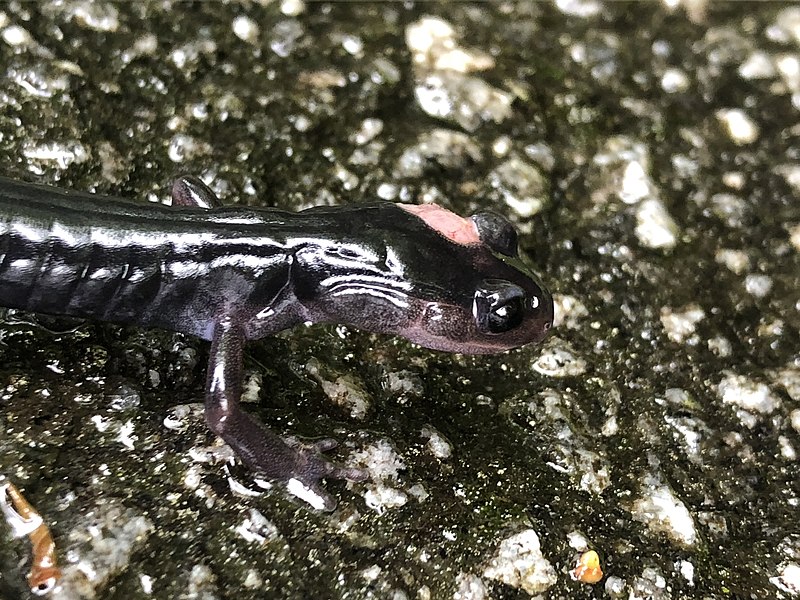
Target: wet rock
444,148
521,186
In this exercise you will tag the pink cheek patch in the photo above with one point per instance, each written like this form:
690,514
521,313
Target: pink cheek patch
450,225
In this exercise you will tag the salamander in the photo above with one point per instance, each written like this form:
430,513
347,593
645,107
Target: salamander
233,274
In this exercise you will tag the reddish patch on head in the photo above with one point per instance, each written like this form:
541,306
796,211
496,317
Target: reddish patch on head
450,225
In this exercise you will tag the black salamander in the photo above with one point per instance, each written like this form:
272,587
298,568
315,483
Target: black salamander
229,275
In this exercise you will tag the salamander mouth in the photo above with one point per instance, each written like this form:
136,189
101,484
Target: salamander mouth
452,328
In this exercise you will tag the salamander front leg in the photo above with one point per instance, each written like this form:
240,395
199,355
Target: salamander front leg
260,449
191,191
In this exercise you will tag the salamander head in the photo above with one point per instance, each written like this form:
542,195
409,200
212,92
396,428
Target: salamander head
495,302
440,280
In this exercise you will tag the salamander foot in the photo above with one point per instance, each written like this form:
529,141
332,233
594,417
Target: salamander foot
311,467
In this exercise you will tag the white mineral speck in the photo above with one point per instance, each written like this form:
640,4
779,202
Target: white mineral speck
419,492
403,385
786,27
558,359
100,16
501,146
179,417
747,394
387,191
381,498
636,184
446,148
251,390
253,580
655,227
102,424
293,8
758,285
147,583
62,154
789,379
592,469
687,570
433,98
615,586
125,435
788,66
720,346
787,450
740,127
193,477
789,579
145,45
372,573
299,489
734,180
680,323
437,444
757,66
541,154
369,130
674,80
16,36
463,61
428,32
202,583
795,419
794,236
730,208
736,261
651,585
579,8
791,173
348,179
256,528
470,587
285,35
610,426
685,167
577,541
353,45
687,429
184,147
380,459
245,29
663,512
519,562
569,311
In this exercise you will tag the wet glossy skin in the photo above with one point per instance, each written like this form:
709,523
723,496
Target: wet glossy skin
233,274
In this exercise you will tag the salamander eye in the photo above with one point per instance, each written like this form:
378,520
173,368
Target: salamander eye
498,306
496,232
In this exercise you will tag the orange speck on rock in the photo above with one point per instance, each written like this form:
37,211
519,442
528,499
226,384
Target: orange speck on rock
588,568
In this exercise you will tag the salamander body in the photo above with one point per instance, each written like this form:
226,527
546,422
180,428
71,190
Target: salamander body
229,275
